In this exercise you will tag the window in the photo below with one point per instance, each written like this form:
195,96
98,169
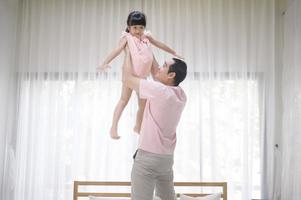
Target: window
67,120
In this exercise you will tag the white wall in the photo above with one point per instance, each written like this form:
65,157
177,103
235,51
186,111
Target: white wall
8,22
279,39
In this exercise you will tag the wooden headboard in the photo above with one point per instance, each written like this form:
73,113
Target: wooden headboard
77,184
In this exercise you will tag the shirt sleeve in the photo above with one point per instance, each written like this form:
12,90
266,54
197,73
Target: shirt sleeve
124,34
148,33
151,89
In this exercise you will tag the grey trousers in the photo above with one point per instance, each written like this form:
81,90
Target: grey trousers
152,172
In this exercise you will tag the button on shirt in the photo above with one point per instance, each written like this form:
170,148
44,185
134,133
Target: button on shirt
161,117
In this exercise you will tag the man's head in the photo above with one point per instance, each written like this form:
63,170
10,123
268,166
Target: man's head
172,73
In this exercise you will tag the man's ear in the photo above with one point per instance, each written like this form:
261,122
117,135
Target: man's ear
172,75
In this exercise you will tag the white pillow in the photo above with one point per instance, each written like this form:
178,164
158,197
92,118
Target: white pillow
112,198
208,197
107,198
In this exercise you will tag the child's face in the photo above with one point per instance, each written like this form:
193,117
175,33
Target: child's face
136,30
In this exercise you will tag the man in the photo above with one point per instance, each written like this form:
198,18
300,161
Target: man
153,160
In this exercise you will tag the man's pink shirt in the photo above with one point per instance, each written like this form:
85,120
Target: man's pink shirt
162,114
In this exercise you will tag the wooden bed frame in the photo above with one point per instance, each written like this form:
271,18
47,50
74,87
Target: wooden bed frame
77,184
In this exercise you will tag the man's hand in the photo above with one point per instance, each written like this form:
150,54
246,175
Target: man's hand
127,70
127,77
127,50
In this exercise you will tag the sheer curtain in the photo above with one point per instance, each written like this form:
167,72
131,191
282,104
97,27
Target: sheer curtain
64,108
291,158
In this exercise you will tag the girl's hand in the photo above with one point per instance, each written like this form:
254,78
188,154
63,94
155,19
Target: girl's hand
103,67
178,56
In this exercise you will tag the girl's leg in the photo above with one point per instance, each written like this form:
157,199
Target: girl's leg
139,115
123,101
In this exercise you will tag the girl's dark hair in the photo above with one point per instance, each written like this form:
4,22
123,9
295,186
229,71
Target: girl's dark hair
136,18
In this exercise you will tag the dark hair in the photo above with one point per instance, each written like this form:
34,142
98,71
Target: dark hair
180,68
136,18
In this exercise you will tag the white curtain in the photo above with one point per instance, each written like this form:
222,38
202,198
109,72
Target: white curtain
64,108
291,138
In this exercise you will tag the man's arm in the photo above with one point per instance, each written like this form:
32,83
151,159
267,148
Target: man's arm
155,68
128,79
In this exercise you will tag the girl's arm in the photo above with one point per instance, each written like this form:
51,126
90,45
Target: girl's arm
163,46
113,54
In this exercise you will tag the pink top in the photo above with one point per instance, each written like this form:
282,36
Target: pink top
162,114
141,54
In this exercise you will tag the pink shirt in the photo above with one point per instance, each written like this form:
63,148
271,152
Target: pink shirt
141,54
162,114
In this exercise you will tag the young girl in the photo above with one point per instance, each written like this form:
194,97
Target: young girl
138,42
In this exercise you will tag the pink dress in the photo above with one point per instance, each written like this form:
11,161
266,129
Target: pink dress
141,54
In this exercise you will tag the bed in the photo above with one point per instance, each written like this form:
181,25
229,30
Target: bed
193,189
